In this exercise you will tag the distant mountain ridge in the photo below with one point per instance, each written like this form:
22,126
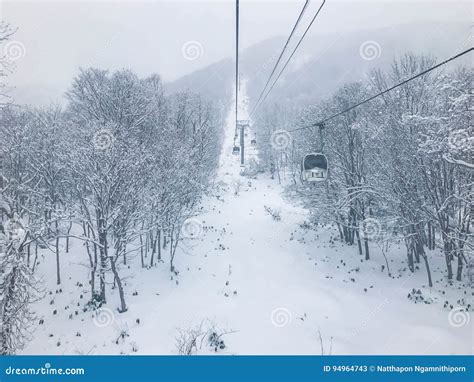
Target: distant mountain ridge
324,62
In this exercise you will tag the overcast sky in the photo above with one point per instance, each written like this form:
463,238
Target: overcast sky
61,36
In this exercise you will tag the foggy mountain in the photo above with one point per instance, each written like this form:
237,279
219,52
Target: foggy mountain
324,62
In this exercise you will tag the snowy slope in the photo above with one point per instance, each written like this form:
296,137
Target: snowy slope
274,285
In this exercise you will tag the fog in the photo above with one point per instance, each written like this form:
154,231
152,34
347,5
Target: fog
148,37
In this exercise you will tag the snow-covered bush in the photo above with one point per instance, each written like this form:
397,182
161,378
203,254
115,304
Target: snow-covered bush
273,212
18,287
206,335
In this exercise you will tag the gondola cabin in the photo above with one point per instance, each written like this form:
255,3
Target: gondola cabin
315,167
253,142
236,150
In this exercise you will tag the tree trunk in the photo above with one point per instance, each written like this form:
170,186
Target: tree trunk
428,272
153,250
28,254
146,245
411,264
341,235
67,237
92,259
359,244
103,258
460,266
159,244
171,255
141,252
123,306
417,254
58,272
429,236
433,238
448,257
366,246
36,257
418,249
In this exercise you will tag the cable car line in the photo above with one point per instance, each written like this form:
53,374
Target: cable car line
281,54
322,122
291,56
237,150
236,62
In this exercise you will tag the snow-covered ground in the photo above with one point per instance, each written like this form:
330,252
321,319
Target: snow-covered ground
277,287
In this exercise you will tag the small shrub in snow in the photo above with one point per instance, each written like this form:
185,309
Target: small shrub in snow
274,213
215,341
190,341
123,334
94,304
305,225
186,341
417,297
321,343
237,184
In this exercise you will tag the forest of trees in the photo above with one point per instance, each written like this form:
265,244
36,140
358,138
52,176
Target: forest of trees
400,166
120,168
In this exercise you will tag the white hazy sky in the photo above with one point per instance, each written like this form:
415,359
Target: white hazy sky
147,36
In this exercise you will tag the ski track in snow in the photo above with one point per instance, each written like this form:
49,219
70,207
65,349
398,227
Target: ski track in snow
272,282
